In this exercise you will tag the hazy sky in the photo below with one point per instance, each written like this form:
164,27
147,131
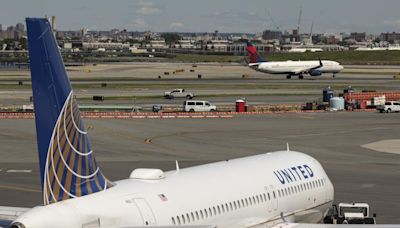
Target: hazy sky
208,15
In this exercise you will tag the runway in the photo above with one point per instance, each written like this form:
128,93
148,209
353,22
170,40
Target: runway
222,84
336,139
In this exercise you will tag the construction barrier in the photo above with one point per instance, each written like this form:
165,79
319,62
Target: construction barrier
149,115
390,96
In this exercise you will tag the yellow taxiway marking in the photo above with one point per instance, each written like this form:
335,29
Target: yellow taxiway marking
23,189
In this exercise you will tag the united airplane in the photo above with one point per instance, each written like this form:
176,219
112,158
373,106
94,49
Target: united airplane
280,189
291,68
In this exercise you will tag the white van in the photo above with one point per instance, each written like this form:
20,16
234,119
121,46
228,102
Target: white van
198,106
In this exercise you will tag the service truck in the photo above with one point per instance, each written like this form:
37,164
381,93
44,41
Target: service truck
350,213
179,93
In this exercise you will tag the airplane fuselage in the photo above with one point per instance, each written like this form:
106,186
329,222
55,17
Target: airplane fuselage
259,190
295,67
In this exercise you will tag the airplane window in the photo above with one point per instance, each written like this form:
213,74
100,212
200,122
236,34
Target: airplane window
187,218
191,214
205,213
274,194
258,199
264,197
227,207
286,192
197,215
254,200
279,193
178,220
313,183
230,206
215,211
235,205
242,203
201,214
292,192
210,212
247,202
183,219
219,210
269,197
173,221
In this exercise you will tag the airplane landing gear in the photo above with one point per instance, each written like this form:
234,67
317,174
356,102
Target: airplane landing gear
334,76
288,76
301,76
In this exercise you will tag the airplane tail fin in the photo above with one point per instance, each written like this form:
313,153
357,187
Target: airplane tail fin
252,54
67,163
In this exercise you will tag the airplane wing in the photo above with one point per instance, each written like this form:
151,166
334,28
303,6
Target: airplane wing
307,69
8,214
303,225
254,64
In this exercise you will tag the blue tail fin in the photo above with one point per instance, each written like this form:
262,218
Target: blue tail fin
67,164
252,54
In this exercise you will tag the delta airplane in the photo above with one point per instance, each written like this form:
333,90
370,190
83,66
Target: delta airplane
279,189
291,68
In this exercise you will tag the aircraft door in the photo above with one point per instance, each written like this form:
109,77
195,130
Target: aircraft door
272,198
145,211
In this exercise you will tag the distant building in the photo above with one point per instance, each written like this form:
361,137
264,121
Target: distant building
358,36
105,46
218,45
20,27
12,32
19,31
272,35
390,37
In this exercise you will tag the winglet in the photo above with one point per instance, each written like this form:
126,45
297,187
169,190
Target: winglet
177,166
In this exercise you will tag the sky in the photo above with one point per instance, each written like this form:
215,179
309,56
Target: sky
247,16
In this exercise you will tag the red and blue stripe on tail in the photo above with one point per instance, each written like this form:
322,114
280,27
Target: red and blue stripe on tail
252,54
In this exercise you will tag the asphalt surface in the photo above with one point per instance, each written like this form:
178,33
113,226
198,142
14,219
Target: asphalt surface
336,139
221,84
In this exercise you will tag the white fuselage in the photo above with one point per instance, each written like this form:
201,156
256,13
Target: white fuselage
296,67
251,191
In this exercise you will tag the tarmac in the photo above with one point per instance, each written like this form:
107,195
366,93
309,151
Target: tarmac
221,84
336,139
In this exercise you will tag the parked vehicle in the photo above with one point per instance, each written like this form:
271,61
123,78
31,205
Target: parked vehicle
350,213
390,106
198,106
179,93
